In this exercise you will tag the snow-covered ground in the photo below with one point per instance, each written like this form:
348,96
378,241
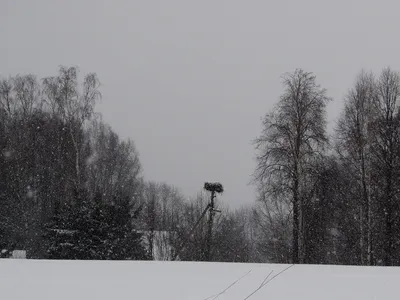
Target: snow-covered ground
75,280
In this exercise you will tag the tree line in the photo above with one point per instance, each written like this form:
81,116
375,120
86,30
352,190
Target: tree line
335,199
71,188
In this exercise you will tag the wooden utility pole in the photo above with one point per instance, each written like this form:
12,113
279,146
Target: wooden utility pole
207,255
182,246
213,188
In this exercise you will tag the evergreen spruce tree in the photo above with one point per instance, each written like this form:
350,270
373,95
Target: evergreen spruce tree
95,231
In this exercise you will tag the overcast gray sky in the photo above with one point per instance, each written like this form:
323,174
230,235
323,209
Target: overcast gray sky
188,81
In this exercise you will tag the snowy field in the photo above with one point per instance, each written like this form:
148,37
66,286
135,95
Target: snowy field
74,280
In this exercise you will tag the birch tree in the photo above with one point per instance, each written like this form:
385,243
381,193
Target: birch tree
354,144
386,147
74,105
293,135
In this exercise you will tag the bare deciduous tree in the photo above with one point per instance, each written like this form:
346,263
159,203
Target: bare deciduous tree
293,135
354,136
27,93
6,98
273,219
113,167
75,107
386,153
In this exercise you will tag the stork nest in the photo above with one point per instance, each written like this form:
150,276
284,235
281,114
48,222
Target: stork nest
214,187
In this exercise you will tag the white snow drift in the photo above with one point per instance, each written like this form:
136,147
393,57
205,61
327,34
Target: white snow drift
75,280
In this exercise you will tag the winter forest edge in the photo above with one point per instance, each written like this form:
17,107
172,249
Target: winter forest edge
71,188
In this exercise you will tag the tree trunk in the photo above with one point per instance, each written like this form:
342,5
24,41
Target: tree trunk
77,168
388,223
210,225
362,235
369,233
295,241
302,243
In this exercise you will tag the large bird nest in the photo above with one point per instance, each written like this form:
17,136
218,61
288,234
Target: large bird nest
214,187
